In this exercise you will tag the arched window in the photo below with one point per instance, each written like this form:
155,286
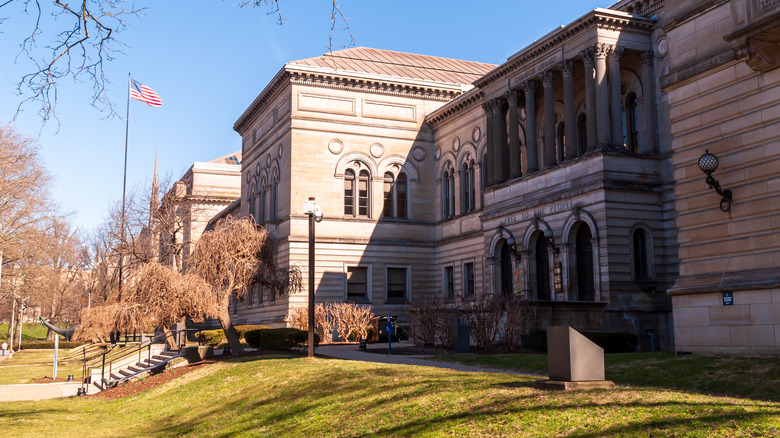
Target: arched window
388,190
250,199
452,192
260,219
561,140
467,187
395,196
641,256
274,213
542,269
584,254
349,192
582,133
446,194
482,179
401,195
632,118
363,194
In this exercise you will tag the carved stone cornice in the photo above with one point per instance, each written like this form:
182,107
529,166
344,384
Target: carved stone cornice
259,102
599,19
760,56
643,7
464,103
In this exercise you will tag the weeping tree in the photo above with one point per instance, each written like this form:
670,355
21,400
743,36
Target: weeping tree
231,257
159,296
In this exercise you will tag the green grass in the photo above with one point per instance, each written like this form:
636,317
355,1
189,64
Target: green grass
751,377
30,332
27,365
282,396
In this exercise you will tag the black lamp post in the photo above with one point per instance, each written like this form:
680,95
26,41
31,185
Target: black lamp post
708,163
315,215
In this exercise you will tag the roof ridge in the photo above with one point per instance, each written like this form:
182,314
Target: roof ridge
379,61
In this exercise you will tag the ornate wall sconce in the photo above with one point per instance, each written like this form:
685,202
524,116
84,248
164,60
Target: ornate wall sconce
510,242
708,163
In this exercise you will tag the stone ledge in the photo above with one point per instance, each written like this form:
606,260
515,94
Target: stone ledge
559,385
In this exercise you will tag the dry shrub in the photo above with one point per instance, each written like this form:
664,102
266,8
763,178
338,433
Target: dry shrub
483,314
429,317
348,319
519,319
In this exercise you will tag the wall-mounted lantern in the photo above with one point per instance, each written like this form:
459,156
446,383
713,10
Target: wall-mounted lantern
708,163
548,235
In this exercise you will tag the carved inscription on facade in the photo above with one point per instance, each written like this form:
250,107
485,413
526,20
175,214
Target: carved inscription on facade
536,69
540,211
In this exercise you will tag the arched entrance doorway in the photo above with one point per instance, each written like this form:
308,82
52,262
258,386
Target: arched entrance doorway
584,254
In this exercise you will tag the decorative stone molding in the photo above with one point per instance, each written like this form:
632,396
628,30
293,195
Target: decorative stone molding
761,56
376,150
476,134
418,153
567,66
335,146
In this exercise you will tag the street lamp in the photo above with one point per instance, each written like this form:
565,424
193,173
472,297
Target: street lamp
708,163
315,215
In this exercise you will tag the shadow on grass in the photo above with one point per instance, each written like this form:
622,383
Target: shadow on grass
327,397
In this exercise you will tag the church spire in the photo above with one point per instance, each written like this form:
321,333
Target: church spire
154,200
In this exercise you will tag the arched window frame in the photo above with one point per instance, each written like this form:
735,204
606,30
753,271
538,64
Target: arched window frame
642,254
395,188
446,195
467,187
260,197
273,213
250,200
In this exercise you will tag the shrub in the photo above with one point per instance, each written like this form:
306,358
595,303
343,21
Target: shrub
242,329
429,317
278,339
210,337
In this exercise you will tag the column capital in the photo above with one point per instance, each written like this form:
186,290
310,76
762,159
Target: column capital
486,107
567,66
497,104
529,86
615,52
647,58
600,50
512,97
548,76
587,56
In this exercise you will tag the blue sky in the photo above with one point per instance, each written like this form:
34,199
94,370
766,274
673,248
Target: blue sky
208,60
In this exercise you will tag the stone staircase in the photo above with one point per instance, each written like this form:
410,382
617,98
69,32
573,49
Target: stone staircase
133,367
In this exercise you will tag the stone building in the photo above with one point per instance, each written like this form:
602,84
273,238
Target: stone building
568,175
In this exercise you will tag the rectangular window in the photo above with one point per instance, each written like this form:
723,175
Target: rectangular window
363,196
449,282
259,292
349,196
468,279
396,285
357,283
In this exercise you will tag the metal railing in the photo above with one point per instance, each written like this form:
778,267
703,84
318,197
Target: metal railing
113,355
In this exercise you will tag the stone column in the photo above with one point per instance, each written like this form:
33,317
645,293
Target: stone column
531,147
650,143
501,169
515,167
590,99
615,99
491,153
549,119
569,109
602,94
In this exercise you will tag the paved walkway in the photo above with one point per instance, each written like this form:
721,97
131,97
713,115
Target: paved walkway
351,352
36,391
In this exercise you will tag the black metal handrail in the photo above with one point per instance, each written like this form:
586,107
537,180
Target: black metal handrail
109,359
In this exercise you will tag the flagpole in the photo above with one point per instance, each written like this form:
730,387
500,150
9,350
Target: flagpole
124,188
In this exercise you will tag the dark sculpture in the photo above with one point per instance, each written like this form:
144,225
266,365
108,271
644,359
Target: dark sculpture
68,334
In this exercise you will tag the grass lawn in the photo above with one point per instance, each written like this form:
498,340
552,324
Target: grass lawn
751,377
30,332
292,396
34,364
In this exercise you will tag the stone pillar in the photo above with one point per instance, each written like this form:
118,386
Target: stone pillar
549,119
491,153
569,109
501,165
590,99
650,143
515,167
602,95
615,99
531,147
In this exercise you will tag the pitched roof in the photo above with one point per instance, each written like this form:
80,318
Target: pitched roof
389,63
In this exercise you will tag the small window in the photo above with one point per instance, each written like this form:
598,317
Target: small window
467,187
251,202
250,298
357,283
363,197
446,194
641,257
388,189
449,282
259,292
468,279
395,196
396,285
261,203
400,190
349,193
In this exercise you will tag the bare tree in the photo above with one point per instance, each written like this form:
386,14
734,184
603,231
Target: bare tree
234,255
76,39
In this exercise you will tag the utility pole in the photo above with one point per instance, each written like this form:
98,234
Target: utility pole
315,215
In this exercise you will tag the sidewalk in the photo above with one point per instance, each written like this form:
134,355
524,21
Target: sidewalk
351,352
37,391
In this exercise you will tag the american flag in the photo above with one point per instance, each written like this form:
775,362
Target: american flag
139,91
